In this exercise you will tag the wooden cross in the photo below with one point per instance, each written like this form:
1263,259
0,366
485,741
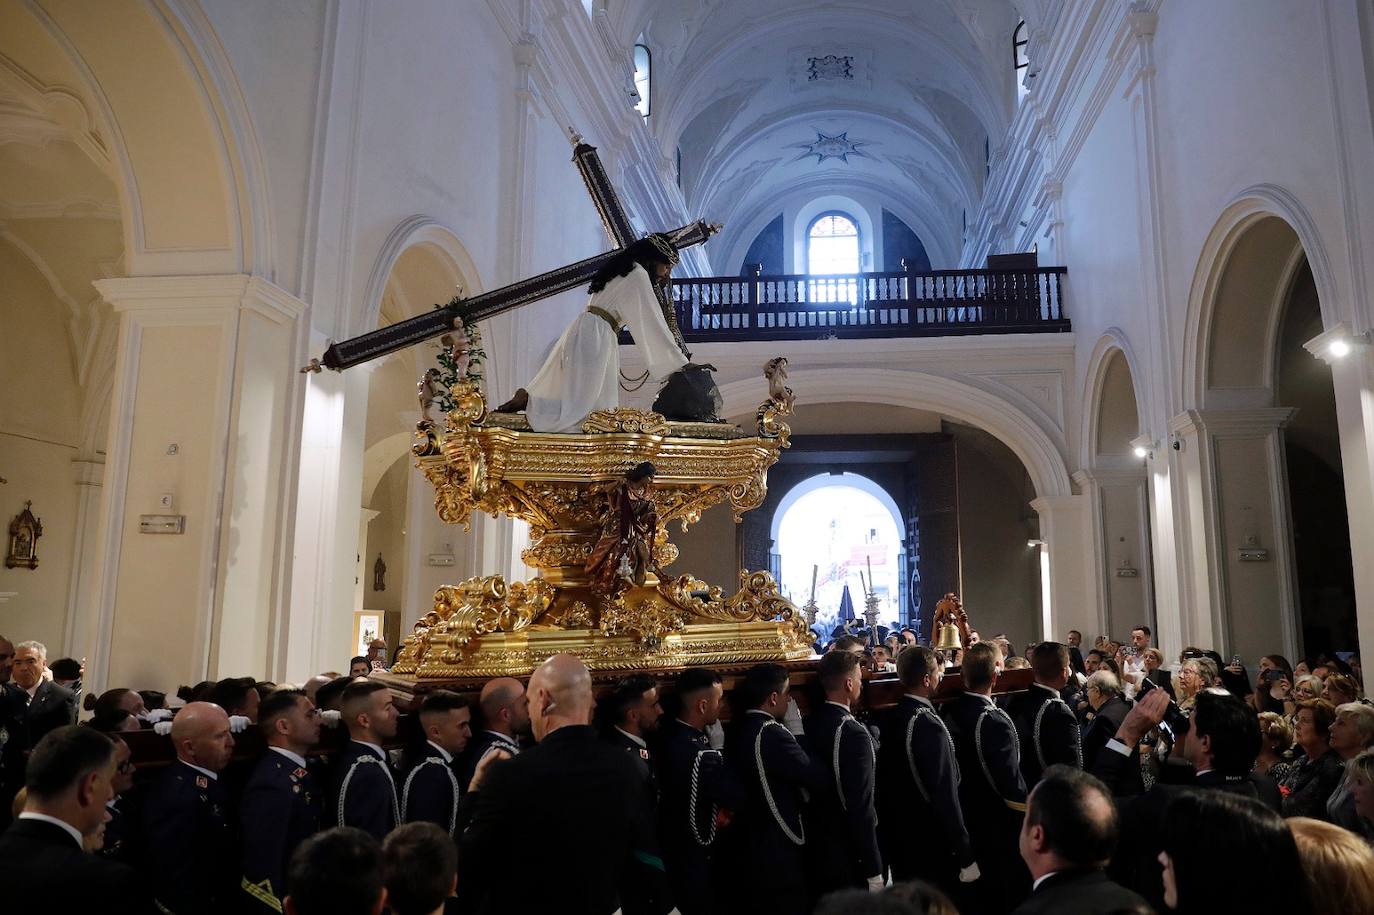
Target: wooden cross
459,310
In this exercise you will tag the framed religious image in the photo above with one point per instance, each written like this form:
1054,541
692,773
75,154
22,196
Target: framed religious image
25,530
367,625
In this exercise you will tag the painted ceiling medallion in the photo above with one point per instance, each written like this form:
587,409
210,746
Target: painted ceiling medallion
836,147
831,66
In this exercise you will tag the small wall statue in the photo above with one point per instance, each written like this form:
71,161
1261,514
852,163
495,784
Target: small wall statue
25,530
379,574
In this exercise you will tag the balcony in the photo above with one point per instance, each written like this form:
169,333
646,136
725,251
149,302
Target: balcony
859,305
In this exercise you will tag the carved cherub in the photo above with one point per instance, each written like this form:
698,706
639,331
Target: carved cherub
457,346
429,390
776,373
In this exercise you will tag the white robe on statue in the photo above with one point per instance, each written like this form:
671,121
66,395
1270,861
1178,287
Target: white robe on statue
582,374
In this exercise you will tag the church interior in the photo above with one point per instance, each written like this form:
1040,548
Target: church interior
1074,298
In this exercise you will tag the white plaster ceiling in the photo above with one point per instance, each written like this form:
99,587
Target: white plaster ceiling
922,84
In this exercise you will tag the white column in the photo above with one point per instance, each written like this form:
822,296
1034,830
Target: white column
328,519
200,410
82,592
1353,378
1067,557
1236,532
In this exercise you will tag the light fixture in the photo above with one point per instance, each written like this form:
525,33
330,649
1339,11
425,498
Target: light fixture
1337,342
1142,452
1035,543
1143,447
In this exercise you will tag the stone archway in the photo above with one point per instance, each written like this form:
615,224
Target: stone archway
1256,304
1115,479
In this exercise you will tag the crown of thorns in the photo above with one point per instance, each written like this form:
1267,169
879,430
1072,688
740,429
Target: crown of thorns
664,247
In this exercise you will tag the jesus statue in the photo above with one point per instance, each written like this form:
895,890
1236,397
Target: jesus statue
582,373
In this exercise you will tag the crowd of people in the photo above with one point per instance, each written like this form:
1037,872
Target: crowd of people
1114,782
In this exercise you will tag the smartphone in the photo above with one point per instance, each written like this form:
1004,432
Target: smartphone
1274,674
1175,722
1235,661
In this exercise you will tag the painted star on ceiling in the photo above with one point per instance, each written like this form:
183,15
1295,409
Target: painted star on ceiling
836,147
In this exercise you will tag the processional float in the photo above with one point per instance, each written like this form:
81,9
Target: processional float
577,490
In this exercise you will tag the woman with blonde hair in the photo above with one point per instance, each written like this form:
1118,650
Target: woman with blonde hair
1338,864
1307,687
1276,739
1338,689
1351,734
1359,780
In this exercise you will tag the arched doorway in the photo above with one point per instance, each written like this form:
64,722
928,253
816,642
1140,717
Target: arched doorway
848,531
1271,517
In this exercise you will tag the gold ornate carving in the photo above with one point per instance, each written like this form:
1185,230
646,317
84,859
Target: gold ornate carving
560,485
625,419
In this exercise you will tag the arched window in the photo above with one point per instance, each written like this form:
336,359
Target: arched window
644,63
832,244
1019,58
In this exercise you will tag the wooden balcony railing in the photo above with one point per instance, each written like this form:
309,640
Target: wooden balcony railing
894,304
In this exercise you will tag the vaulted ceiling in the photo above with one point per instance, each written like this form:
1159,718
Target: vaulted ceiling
745,90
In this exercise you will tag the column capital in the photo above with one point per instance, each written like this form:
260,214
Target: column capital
175,299
1109,476
1232,423
1048,505
88,473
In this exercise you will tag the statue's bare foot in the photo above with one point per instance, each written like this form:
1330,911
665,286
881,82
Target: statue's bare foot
516,404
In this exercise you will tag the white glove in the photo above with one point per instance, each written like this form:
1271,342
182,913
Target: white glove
970,873
162,727
876,884
238,724
156,715
792,718
330,717
715,736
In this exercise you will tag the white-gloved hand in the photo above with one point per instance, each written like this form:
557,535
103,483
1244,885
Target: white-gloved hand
238,724
792,718
715,736
162,727
156,715
330,717
875,884
970,873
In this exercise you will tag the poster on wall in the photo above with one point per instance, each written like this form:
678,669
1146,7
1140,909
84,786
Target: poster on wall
367,625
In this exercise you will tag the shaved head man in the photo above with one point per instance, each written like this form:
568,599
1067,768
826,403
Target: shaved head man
560,694
505,717
184,816
596,848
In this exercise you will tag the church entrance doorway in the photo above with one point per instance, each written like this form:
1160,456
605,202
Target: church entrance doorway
847,533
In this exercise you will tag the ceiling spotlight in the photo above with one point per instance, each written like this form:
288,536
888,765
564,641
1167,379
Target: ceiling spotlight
1142,452
1339,348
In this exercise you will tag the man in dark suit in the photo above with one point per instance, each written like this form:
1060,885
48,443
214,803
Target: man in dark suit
282,803
1220,745
69,780
845,851
992,791
505,719
1067,837
1110,709
49,706
776,773
581,801
632,714
1045,725
698,790
191,856
14,733
430,790
364,785
918,784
